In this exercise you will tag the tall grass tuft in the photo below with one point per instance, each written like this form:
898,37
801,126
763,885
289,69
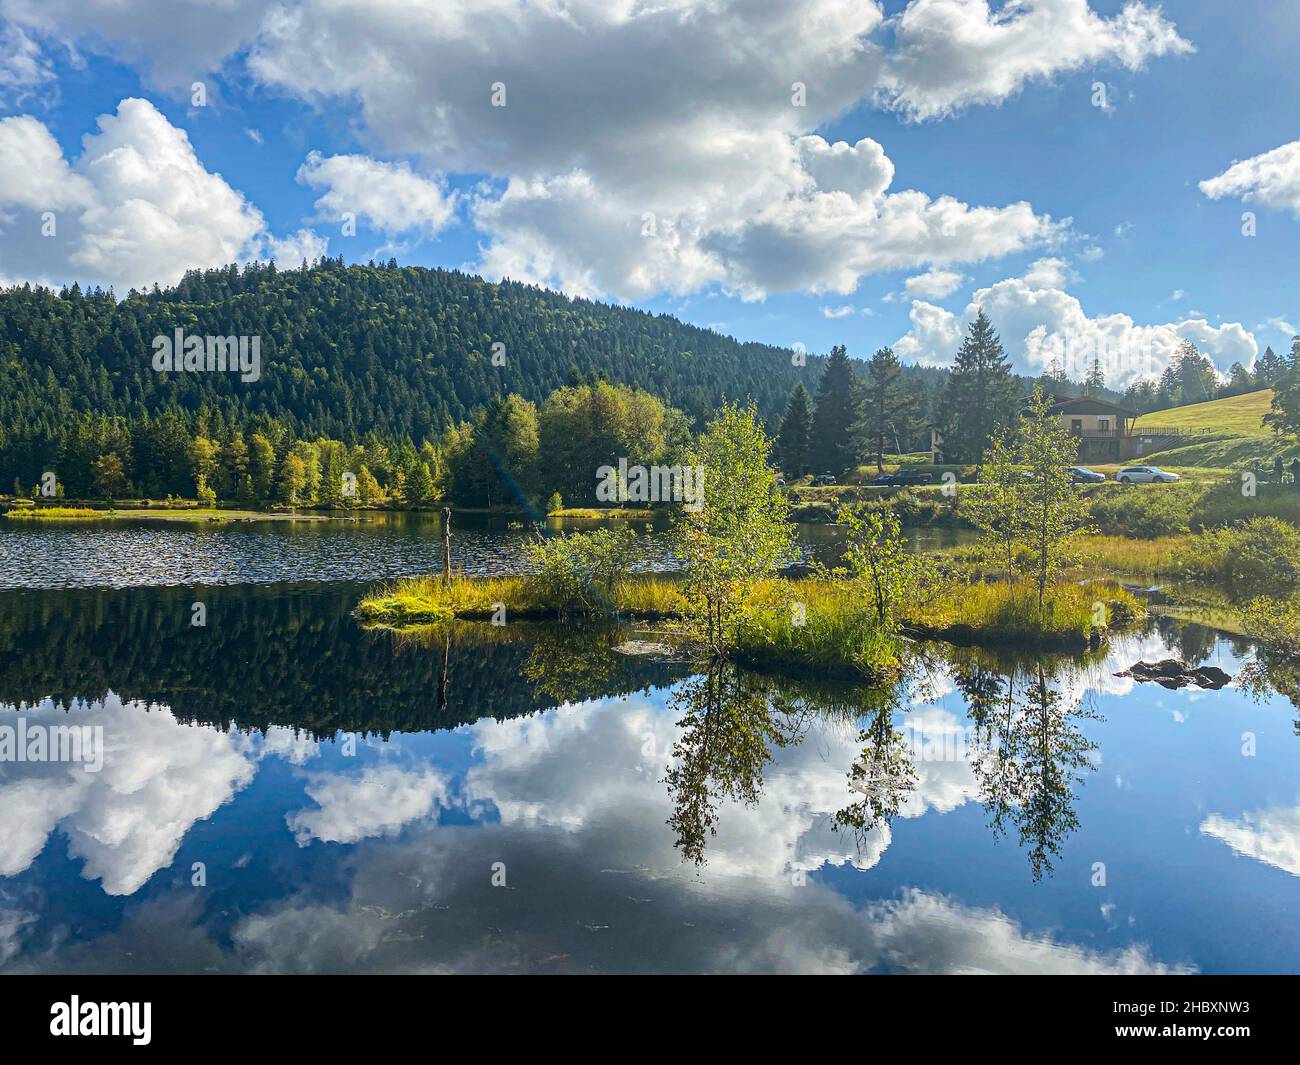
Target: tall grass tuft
999,612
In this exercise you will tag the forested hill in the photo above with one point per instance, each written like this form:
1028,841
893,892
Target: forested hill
347,350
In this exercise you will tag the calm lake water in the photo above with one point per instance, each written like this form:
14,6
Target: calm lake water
283,791
381,546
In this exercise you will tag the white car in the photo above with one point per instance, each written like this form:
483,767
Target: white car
1145,475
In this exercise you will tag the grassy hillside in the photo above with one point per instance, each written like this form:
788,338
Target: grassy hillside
1236,415
1235,433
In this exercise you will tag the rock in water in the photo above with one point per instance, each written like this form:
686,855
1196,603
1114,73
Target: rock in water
1174,673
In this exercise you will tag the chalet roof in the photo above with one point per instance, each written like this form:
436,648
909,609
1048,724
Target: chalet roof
1088,405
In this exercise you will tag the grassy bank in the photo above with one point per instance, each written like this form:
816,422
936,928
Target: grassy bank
420,600
813,625
603,513
1001,614
197,515
1118,555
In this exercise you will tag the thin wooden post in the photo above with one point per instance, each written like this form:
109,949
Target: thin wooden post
446,669
446,545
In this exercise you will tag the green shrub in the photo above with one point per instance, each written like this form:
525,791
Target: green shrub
1145,512
1227,502
1275,623
923,507
1256,557
576,573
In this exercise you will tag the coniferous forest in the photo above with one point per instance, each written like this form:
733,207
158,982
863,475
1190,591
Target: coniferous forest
432,386
380,366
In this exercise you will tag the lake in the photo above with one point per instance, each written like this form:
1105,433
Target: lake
129,552
282,791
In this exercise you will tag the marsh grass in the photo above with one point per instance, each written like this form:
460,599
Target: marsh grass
817,626
30,513
811,625
594,514
1090,554
416,600
1119,554
1256,557
1073,615
159,514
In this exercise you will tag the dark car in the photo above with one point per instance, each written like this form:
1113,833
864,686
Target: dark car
903,478
1083,475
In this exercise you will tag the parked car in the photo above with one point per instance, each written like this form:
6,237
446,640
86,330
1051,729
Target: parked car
1083,475
903,478
1145,475
824,479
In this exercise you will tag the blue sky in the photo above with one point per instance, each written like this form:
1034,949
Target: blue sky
653,154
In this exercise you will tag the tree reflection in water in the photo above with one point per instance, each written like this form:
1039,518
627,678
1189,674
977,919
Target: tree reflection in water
730,722
1028,752
884,774
1026,748
1025,742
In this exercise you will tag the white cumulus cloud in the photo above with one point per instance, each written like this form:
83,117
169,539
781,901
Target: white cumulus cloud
1271,179
641,148
1039,326
136,207
952,54
377,801
390,196
934,284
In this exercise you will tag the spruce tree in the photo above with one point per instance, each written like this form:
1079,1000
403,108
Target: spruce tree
981,394
1095,382
1197,379
794,437
1268,369
836,412
888,407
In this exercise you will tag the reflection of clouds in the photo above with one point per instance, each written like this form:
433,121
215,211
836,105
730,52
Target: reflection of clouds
1271,835
12,923
126,821
581,765
426,905
926,933
1123,651
594,883
944,782
375,802
290,744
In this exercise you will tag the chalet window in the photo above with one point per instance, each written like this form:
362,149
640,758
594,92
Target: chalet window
1103,424
1076,425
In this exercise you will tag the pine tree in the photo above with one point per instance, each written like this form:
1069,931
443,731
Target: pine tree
1268,369
1284,411
331,482
981,394
1095,382
1239,381
794,439
888,407
836,412
1197,378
